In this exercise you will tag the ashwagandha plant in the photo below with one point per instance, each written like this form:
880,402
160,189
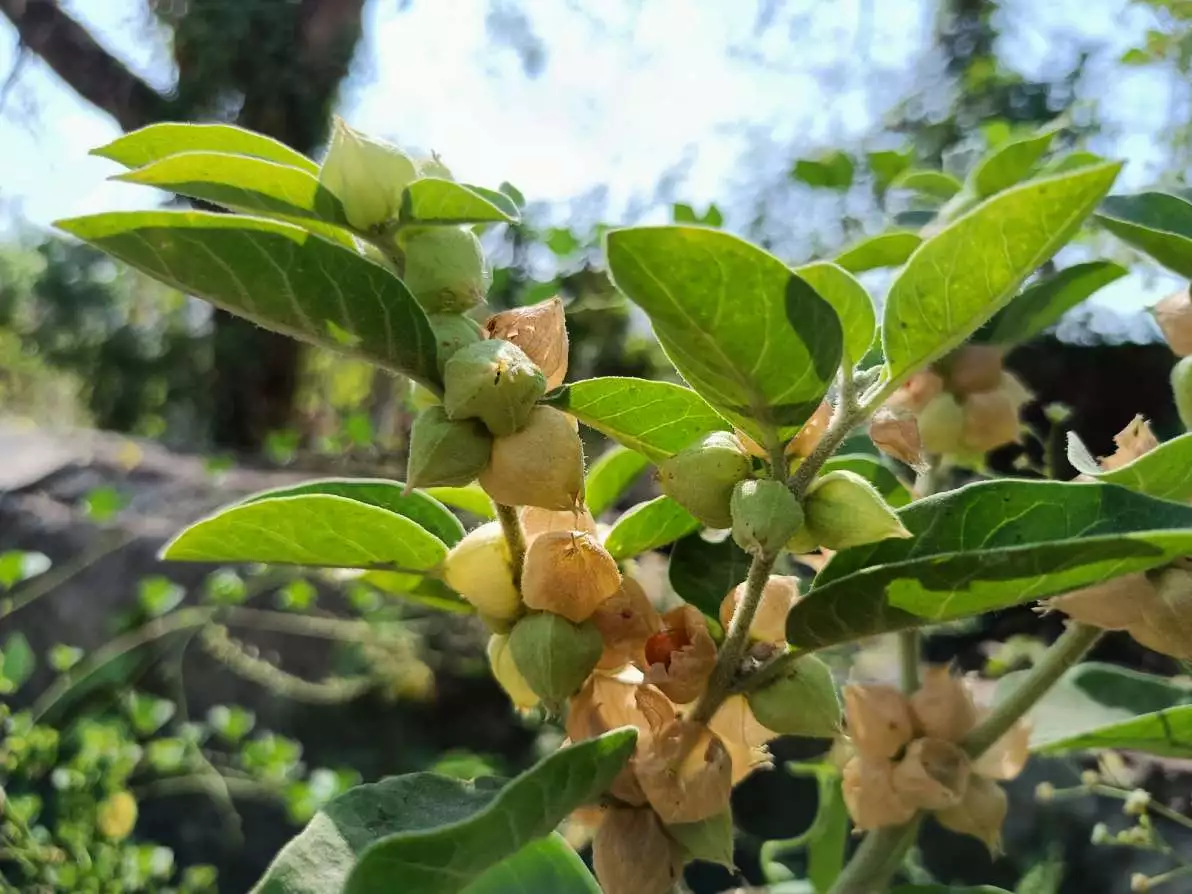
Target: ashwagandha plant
375,254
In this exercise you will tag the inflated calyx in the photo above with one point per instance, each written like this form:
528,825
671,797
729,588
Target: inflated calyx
507,674
554,655
452,332
1181,387
843,510
366,175
802,702
765,516
479,569
701,478
446,452
542,465
445,268
541,331
493,381
569,573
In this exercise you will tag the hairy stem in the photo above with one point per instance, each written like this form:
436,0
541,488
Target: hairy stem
515,536
847,416
881,853
736,640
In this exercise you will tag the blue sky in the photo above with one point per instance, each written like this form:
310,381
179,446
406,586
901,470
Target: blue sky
625,96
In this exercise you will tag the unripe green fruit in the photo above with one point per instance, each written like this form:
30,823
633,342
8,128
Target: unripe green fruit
843,510
446,452
765,516
452,332
479,569
366,175
554,655
493,381
1181,386
702,477
445,268
941,425
802,702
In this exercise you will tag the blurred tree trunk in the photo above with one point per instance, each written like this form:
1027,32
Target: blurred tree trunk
282,64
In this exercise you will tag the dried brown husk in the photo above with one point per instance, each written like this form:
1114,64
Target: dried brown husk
1132,442
895,432
917,391
686,773
867,785
568,573
536,521
879,719
632,854
743,736
932,775
1174,316
1006,757
625,621
780,593
1169,615
804,443
1113,605
980,813
973,369
685,673
942,707
540,330
990,421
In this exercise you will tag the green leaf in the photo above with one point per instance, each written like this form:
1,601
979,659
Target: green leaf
1165,472
948,889
243,183
428,591
825,850
876,472
963,275
432,834
418,506
1011,163
932,183
682,213
890,249
611,475
854,307
17,661
20,565
434,201
648,526
310,529
987,546
702,572
470,498
1099,706
753,338
279,276
657,419
710,840
158,595
833,171
1043,303
157,141
1156,223
548,864
887,164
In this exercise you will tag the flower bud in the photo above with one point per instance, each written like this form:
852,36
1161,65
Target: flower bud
972,369
1174,316
917,392
554,655
765,516
536,521
932,775
541,331
896,433
686,773
1132,442
769,622
681,656
942,707
879,719
632,854
541,465
941,424
804,443
116,815
366,175
626,620
701,478
802,702
505,670
445,268
452,332
1113,605
479,569
568,573
843,510
867,785
710,840
1181,387
980,812
990,421
446,453
495,382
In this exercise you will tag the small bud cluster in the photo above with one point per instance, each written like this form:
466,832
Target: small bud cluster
908,758
965,406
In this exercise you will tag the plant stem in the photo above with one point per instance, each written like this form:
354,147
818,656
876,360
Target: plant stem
736,640
1064,652
908,653
847,416
515,536
881,853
